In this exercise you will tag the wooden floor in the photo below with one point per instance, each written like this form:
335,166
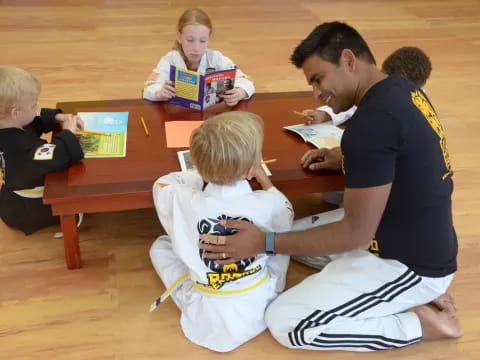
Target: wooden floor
104,49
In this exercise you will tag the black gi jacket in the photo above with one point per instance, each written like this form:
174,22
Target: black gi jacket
18,148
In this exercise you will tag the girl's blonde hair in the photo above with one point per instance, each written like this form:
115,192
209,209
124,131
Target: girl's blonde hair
15,85
225,146
192,16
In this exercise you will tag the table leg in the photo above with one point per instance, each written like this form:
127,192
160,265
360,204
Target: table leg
70,241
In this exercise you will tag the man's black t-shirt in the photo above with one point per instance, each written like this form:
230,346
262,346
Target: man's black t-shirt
395,137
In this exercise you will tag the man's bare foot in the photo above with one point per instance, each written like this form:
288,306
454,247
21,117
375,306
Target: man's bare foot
441,324
445,302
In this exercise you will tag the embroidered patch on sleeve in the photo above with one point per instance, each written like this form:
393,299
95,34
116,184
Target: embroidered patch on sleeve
152,77
44,152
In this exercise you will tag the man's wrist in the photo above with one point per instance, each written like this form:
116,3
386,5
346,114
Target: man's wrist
270,243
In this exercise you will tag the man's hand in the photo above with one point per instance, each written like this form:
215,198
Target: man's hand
247,242
69,122
234,96
166,92
315,116
317,159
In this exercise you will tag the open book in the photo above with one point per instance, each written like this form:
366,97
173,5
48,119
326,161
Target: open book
104,135
324,135
196,91
186,163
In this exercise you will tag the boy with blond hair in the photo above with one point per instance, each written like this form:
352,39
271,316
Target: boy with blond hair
25,158
222,305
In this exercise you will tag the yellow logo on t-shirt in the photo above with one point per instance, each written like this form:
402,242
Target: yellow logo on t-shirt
426,109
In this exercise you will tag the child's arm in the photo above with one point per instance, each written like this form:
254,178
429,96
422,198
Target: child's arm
164,190
283,212
44,122
261,177
315,116
157,79
339,118
44,157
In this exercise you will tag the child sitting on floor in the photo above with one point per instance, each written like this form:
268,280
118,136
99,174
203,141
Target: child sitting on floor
222,305
25,158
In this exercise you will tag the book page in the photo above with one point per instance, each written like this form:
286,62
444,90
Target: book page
324,135
104,134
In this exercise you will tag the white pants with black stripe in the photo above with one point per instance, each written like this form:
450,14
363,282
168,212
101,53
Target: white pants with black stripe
358,302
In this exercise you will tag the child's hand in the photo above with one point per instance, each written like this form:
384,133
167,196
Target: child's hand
166,92
70,122
315,117
233,96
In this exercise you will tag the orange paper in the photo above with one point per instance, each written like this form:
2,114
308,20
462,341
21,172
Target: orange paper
178,132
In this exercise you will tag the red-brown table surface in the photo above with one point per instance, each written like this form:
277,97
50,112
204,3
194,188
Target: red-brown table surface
113,184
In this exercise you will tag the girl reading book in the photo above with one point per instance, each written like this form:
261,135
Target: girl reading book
190,51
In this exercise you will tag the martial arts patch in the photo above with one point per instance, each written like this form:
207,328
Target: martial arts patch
153,77
44,152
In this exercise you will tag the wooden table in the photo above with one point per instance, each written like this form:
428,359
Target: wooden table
96,185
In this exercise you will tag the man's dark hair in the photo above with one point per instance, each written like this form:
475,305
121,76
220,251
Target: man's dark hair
409,62
328,40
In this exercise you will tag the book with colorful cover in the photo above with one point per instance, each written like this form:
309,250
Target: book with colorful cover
198,92
104,135
323,135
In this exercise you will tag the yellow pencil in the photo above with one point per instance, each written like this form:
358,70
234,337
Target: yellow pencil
268,161
299,113
144,125
92,132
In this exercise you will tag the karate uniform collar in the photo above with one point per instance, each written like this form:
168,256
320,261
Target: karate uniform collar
238,189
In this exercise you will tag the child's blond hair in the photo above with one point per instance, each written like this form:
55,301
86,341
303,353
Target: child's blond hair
225,146
192,16
15,85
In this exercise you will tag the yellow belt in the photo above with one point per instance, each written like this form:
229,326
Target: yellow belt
209,290
205,289
35,193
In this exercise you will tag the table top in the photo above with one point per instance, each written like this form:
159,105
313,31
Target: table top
86,184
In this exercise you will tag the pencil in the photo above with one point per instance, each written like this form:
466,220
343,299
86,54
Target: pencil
92,132
268,161
144,125
299,113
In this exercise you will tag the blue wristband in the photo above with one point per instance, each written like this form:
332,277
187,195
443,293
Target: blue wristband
270,243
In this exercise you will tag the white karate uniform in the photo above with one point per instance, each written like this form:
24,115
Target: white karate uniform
222,306
212,59
358,302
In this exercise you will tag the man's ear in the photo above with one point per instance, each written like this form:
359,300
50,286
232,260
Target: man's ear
348,59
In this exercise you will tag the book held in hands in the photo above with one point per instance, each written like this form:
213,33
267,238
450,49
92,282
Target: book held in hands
198,92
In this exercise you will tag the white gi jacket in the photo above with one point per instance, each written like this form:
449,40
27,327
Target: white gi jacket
212,59
222,305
